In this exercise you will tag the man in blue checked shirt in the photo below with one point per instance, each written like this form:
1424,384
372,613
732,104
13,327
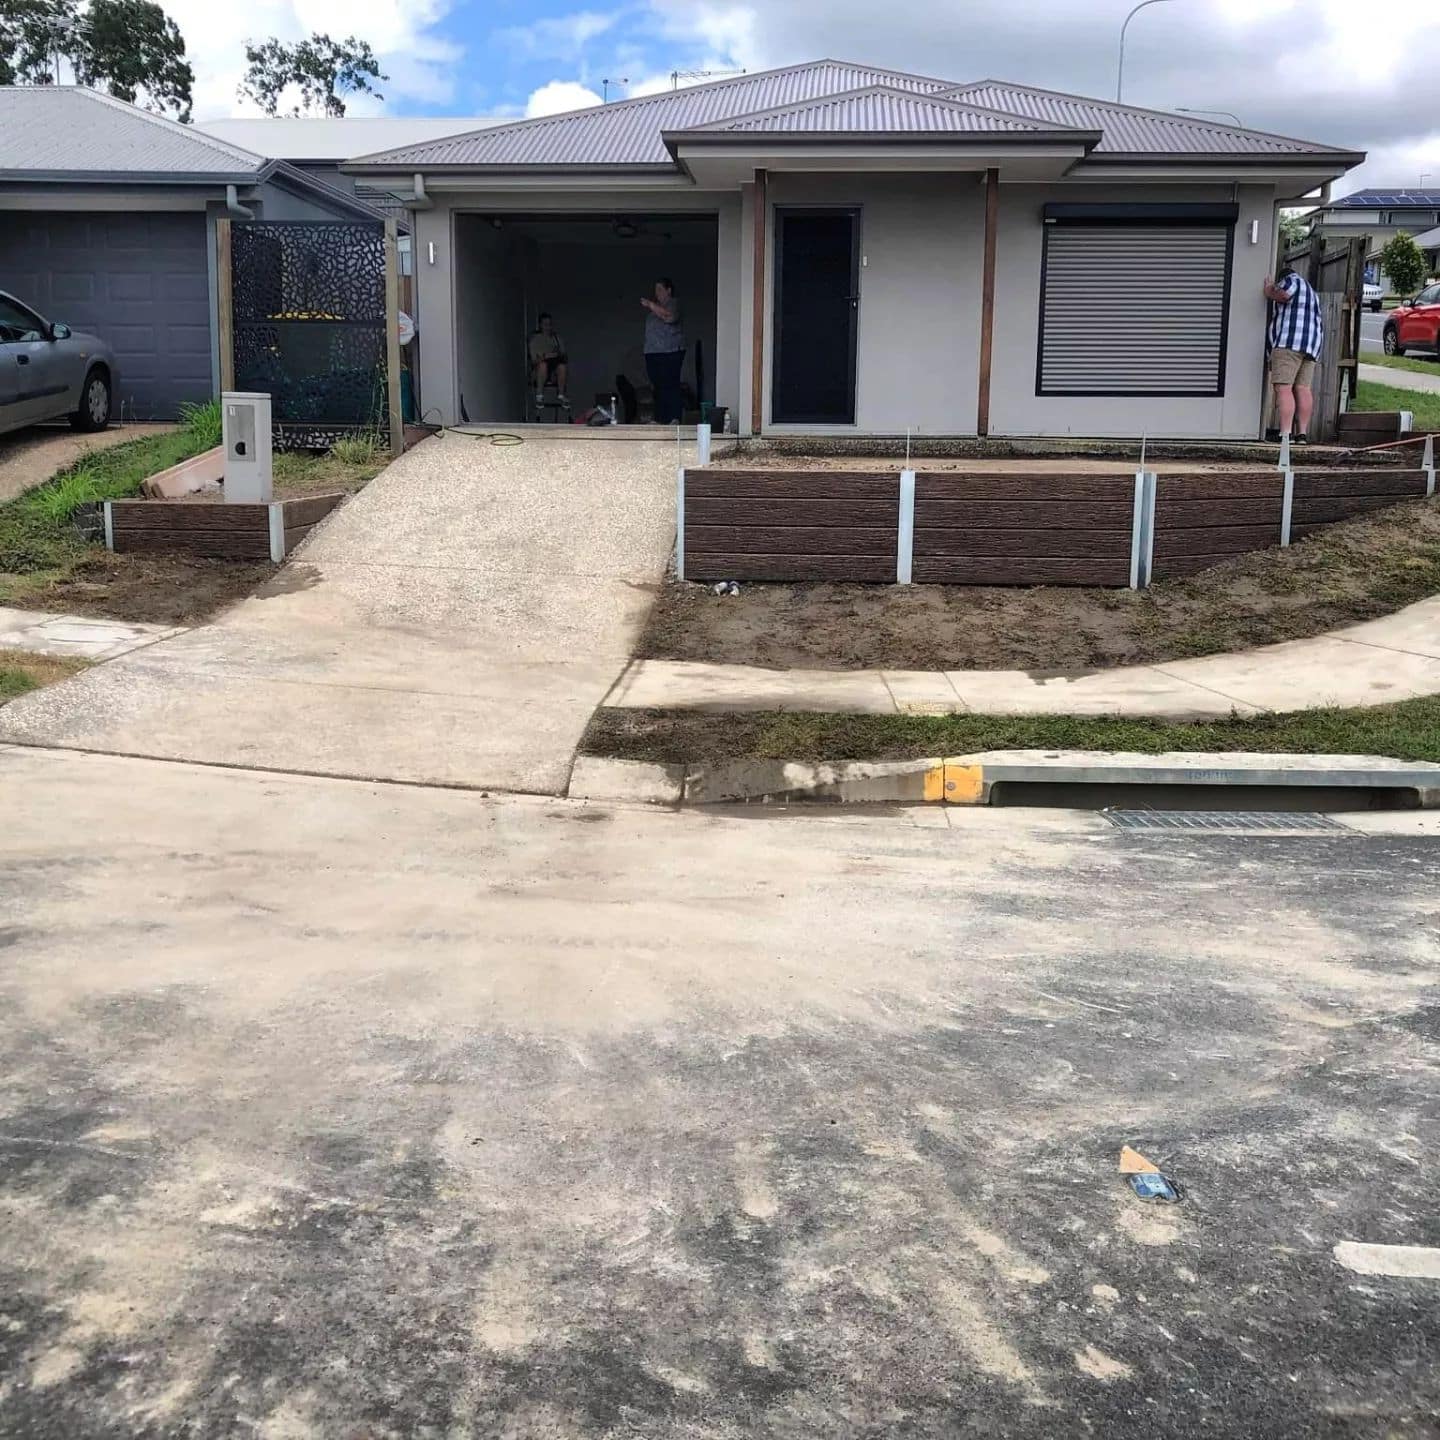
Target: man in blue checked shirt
1296,335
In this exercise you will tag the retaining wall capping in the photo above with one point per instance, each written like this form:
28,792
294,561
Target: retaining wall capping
216,531
1034,528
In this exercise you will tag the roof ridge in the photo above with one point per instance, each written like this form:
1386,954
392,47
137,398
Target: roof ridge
743,77
1022,122
1148,111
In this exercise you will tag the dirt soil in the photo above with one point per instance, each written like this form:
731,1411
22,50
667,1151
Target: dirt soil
1353,571
158,589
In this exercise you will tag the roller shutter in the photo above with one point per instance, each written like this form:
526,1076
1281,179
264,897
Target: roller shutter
1134,309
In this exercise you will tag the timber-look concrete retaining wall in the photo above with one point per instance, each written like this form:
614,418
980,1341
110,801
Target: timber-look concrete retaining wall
215,529
993,528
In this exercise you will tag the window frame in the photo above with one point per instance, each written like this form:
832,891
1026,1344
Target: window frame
1206,216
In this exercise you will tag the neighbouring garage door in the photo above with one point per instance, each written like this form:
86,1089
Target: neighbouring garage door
140,282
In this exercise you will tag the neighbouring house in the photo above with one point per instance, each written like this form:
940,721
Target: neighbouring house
107,222
1379,215
1429,243
859,251
319,144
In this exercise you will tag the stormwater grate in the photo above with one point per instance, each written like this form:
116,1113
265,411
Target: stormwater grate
1227,822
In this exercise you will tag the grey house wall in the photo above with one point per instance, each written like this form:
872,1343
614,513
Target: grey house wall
1015,409
436,279
921,242
922,237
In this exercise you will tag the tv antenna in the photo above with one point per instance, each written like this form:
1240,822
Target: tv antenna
623,80
676,76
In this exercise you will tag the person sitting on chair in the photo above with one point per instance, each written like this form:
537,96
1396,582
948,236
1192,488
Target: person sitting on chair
548,361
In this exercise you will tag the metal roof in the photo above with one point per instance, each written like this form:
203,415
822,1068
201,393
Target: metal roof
876,109
630,132
314,137
1429,239
60,131
1390,199
1128,130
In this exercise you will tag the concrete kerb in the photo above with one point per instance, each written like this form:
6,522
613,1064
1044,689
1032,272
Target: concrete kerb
971,779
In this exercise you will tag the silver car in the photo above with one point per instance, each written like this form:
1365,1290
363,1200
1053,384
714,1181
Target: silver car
50,372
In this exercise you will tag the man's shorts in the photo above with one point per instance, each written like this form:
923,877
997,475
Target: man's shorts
551,362
1291,367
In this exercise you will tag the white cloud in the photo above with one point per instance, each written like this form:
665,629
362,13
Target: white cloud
559,37
420,64
559,96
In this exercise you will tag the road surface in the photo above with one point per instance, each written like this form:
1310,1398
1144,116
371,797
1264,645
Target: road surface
336,1109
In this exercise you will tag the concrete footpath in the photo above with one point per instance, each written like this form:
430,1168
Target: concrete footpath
1394,658
455,623
76,637
1402,379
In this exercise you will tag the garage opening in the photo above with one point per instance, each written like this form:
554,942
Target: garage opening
588,273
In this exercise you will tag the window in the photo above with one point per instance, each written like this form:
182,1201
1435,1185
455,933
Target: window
19,324
1410,217
1135,299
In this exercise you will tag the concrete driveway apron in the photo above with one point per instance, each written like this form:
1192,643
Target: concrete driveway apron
455,623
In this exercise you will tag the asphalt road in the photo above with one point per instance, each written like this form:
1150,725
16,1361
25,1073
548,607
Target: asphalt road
1372,329
346,1110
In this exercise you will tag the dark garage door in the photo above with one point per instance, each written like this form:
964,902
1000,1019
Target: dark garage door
139,281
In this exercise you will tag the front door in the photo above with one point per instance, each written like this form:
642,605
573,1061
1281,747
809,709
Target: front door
817,302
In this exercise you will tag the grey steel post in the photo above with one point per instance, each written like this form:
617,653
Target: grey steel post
1287,508
680,524
110,524
1147,558
1428,464
905,536
1407,421
1284,461
277,530
702,444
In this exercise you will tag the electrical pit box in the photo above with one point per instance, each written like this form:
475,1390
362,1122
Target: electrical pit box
245,422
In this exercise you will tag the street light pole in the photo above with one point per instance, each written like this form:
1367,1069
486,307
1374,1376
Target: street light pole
1120,69
1228,114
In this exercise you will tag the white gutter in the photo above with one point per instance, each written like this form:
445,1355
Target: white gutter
419,200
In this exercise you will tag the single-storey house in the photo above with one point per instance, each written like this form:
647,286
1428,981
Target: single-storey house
859,251
107,222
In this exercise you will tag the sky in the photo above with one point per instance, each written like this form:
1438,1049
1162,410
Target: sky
1327,70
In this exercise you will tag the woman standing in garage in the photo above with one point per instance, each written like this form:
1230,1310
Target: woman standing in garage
664,351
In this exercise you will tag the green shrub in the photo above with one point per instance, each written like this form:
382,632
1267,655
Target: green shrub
1403,262
362,449
202,423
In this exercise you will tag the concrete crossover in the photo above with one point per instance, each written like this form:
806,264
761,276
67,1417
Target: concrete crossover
455,623
1395,658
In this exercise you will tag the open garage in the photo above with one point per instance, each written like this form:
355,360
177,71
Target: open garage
589,273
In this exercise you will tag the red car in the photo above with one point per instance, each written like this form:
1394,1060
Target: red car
1415,325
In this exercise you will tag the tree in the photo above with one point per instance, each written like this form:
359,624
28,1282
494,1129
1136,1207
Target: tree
324,70
32,33
130,49
1294,227
1403,262
133,46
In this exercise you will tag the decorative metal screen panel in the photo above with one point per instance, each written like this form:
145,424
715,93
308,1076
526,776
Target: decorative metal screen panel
309,319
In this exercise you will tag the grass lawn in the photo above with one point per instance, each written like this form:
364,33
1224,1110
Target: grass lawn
45,564
1409,730
21,671
1422,366
1425,407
